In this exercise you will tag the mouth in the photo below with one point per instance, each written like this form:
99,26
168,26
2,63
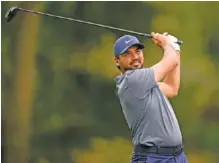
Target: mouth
135,64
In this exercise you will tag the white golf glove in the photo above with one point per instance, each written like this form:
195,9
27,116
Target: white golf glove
174,44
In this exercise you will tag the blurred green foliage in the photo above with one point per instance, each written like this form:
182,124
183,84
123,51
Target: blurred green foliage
58,88
104,150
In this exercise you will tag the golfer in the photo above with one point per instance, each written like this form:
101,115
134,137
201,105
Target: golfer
143,94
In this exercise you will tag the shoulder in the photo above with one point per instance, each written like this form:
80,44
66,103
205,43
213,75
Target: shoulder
139,74
140,81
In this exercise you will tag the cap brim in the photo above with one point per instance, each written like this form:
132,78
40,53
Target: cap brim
141,46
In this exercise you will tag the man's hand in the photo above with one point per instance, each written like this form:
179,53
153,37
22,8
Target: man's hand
173,41
161,41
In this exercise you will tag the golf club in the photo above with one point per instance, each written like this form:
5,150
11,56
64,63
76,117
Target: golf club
11,13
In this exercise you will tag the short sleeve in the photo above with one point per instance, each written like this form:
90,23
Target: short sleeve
141,81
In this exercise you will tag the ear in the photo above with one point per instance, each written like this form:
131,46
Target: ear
117,61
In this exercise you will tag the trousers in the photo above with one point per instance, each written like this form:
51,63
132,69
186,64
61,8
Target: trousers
158,158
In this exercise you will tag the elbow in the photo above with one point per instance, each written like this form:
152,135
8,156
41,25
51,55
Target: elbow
174,93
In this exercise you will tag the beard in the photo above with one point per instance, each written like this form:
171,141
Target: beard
134,65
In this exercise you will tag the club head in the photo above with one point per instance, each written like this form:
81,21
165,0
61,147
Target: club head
11,13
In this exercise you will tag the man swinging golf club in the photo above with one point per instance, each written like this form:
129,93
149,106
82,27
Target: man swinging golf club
144,93
154,128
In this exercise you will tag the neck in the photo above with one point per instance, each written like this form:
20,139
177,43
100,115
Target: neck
122,72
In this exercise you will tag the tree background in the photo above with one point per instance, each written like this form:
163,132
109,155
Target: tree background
58,101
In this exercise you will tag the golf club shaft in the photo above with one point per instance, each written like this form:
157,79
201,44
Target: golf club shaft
85,22
91,23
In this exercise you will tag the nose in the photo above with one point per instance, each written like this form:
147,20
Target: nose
135,56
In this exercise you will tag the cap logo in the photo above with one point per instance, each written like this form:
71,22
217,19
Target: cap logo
128,41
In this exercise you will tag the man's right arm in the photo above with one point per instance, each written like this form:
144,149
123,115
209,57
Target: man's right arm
170,59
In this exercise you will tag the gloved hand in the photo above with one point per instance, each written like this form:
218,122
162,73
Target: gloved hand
161,39
173,41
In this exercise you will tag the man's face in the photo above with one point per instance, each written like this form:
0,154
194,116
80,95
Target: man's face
132,59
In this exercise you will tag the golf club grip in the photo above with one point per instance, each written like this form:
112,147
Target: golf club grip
178,42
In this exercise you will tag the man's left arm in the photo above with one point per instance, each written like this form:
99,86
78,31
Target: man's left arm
171,83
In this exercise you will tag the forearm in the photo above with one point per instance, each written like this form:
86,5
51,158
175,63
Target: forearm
173,77
168,63
171,57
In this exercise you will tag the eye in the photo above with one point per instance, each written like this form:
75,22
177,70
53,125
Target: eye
127,53
138,51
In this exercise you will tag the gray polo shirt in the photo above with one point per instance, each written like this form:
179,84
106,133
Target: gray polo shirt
147,111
